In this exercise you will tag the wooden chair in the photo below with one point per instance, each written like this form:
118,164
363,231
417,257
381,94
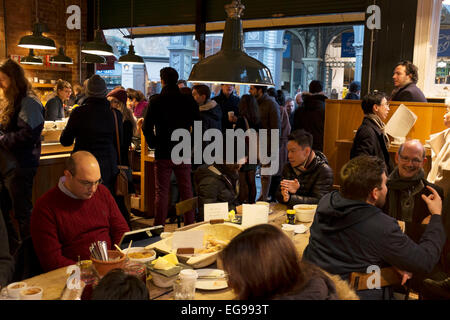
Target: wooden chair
185,206
388,277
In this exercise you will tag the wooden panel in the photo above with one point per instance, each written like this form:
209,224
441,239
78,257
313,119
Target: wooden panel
50,169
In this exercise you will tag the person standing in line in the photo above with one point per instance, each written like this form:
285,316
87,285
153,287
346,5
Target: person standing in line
228,102
167,112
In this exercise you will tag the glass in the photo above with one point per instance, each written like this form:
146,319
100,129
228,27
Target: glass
90,278
415,161
136,269
184,289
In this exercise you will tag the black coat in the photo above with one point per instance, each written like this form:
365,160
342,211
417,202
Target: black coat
350,235
92,127
227,104
410,92
212,186
54,109
369,140
315,182
6,260
311,117
167,112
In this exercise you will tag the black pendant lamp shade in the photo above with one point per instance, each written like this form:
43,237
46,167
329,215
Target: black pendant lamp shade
131,57
92,58
37,40
231,65
98,46
31,59
61,58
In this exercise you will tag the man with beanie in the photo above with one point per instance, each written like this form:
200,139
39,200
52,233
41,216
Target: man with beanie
92,126
168,111
311,116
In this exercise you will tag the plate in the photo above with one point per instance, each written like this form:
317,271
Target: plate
211,284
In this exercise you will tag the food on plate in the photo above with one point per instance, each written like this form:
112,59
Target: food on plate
212,245
141,254
166,262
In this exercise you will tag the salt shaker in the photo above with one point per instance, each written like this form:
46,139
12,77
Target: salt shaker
184,286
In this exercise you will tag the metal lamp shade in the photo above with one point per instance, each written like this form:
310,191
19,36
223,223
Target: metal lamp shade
98,46
61,58
231,64
37,40
31,59
92,58
131,57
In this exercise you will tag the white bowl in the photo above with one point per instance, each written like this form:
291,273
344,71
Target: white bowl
31,293
162,281
139,249
15,288
305,212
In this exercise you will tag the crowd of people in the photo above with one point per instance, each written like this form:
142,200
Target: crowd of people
384,214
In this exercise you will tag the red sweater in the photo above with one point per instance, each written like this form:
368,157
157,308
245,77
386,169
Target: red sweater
63,228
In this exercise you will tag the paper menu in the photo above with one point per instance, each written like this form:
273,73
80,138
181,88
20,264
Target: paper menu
253,214
188,239
401,122
214,211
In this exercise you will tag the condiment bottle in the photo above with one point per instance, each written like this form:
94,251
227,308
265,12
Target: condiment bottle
290,216
184,286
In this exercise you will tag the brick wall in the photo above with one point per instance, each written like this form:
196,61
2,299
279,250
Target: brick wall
19,17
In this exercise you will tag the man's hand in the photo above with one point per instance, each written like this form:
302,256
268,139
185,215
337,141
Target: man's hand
285,194
433,201
404,274
291,185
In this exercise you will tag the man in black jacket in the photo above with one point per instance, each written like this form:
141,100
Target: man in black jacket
307,177
167,112
228,102
405,78
350,233
371,139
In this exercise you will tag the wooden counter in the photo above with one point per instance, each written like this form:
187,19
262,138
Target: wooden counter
343,118
53,282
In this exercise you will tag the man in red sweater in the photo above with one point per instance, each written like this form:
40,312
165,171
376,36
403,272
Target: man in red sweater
74,214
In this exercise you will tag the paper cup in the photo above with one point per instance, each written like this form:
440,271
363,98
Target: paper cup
15,288
31,293
289,231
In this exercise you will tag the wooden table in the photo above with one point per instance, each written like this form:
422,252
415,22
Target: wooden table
53,282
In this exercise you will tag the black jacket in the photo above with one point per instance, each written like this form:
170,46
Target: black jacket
54,109
92,127
349,236
311,117
211,116
410,92
369,140
6,260
227,104
167,112
212,186
315,182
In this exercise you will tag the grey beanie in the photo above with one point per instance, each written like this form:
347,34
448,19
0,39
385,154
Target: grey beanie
96,87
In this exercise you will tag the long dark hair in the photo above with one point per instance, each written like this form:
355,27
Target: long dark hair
18,89
248,107
262,263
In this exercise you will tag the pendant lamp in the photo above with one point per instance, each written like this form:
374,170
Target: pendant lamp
98,46
31,59
61,58
37,40
131,57
92,58
231,65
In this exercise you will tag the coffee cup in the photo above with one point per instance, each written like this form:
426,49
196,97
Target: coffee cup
230,115
31,293
15,288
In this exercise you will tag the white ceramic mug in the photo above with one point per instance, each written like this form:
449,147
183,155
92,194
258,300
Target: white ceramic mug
15,288
31,293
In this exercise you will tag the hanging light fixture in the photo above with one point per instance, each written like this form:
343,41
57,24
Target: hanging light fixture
31,59
37,40
93,58
131,57
231,64
61,58
98,46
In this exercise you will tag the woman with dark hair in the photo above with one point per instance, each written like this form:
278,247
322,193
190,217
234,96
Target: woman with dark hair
118,285
21,123
262,263
248,119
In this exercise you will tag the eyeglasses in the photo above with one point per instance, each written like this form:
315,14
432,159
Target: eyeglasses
89,184
415,161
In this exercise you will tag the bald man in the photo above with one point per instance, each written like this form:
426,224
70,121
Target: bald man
77,212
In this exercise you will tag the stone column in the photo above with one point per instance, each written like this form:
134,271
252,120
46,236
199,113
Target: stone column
312,62
181,50
358,44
